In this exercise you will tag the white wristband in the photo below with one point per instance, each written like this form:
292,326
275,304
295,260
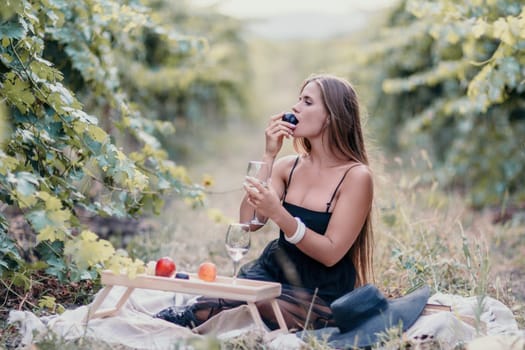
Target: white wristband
299,232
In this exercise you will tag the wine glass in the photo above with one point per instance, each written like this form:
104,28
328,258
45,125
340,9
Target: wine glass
260,171
237,243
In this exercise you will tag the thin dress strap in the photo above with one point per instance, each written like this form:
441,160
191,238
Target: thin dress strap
289,179
329,204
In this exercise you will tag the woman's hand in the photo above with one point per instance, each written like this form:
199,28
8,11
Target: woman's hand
261,197
275,132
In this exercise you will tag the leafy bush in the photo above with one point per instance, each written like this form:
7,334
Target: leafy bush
451,75
85,84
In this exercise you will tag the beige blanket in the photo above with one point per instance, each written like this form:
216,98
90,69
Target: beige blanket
133,326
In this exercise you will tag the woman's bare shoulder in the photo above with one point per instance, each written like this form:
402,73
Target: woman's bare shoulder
286,161
360,172
360,168
282,165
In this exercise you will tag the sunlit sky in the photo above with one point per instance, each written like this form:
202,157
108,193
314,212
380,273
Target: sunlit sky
262,8
288,19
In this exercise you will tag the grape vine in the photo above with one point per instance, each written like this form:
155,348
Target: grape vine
452,77
86,133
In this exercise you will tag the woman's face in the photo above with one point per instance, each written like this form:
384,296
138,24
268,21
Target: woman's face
310,112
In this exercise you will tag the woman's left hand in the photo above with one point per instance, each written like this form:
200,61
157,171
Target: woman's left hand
261,197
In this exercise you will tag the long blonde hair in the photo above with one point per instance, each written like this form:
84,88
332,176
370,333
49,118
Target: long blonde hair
345,136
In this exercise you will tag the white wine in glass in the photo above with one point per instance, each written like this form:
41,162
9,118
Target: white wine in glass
260,171
237,244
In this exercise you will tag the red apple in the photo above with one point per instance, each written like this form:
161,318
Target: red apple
165,267
207,271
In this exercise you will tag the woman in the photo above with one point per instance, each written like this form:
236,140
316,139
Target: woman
321,200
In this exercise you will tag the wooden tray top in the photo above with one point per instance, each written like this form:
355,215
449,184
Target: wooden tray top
222,287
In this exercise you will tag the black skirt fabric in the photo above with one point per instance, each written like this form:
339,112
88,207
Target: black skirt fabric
283,262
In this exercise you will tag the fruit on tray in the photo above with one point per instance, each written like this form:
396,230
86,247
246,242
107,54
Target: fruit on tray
182,275
165,267
207,271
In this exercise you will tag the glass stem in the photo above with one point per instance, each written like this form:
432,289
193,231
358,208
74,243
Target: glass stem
235,265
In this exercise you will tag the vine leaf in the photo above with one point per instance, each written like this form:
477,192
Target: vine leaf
87,249
13,29
18,91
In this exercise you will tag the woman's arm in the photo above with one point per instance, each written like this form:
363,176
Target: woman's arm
273,190
350,212
276,131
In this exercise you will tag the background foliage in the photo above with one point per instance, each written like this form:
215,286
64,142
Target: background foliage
449,76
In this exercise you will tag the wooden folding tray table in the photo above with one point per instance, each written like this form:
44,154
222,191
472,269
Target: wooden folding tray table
250,291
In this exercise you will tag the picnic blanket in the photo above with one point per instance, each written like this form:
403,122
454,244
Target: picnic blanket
133,326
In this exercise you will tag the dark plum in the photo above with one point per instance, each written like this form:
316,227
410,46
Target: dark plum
182,275
290,118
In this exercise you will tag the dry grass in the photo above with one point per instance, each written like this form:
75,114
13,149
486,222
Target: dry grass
423,233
